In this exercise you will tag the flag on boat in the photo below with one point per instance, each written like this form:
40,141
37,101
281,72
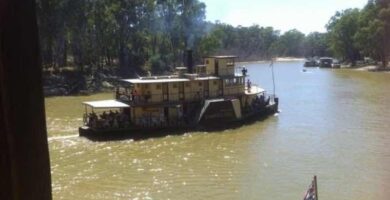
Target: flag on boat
311,193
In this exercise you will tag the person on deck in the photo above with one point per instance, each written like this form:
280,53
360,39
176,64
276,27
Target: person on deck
115,123
117,95
134,95
104,115
244,71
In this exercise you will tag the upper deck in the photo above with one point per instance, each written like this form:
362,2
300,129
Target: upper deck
169,79
216,78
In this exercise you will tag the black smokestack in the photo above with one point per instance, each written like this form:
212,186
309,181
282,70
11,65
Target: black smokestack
190,64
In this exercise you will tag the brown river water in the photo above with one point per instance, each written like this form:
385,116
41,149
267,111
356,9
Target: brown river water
333,123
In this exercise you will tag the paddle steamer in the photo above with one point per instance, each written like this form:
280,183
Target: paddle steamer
214,93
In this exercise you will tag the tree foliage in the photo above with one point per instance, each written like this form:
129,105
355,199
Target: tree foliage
290,43
373,37
356,33
316,44
249,43
342,28
124,34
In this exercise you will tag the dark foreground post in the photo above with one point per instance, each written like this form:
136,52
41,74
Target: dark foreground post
24,156
315,186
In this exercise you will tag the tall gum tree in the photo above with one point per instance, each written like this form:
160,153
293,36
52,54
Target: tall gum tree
373,36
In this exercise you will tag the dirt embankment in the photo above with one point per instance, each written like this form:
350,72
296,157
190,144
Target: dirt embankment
70,82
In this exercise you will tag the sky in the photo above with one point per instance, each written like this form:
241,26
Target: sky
304,15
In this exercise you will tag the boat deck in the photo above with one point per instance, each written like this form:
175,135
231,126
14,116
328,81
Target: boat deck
254,89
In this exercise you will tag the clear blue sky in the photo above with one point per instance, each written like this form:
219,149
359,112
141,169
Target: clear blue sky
305,15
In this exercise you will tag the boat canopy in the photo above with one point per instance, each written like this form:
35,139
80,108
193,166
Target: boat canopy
106,104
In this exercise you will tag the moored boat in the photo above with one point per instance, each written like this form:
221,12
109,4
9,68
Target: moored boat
206,95
326,62
311,63
336,63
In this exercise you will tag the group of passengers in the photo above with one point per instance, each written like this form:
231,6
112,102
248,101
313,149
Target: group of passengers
108,120
260,101
124,95
149,120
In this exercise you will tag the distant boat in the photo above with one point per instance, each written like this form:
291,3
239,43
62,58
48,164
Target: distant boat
336,64
326,62
310,63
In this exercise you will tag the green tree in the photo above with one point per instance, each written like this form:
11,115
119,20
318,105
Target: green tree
315,44
209,45
249,43
342,28
373,36
290,44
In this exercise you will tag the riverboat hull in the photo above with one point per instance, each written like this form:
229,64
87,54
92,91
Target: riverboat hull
139,132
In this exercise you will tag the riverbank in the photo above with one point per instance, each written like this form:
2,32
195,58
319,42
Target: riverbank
71,81
373,68
278,59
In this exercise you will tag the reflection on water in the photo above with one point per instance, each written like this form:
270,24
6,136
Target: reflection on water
334,123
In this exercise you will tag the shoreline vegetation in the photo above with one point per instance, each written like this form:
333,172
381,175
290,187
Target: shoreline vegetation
277,59
86,44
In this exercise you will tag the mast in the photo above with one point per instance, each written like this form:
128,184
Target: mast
273,76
